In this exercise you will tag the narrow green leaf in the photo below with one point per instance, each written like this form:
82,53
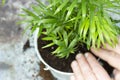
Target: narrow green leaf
41,4
65,36
42,21
48,45
86,28
82,25
48,38
73,43
26,28
53,4
84,9
33,28
31,13
77,18
61,6
40,30
70,9
57,51
99,30
98,42
59,43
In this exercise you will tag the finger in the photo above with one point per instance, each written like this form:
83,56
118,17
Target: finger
85,68
72,78
111,57
77,71
114,49
98,70
116,74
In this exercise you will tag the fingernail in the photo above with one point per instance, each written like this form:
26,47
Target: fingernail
74,63
86,55
79,56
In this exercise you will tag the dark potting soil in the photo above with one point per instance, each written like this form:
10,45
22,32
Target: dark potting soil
63,64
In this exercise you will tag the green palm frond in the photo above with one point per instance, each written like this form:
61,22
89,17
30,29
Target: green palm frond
65,23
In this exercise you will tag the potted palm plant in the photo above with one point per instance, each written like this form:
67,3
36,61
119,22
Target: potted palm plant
64,28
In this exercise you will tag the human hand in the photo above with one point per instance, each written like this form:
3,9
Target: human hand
111,56
87,68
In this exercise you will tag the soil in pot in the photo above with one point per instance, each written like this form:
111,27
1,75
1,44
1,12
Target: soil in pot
61,63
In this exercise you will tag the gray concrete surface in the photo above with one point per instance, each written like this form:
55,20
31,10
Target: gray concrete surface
15,64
